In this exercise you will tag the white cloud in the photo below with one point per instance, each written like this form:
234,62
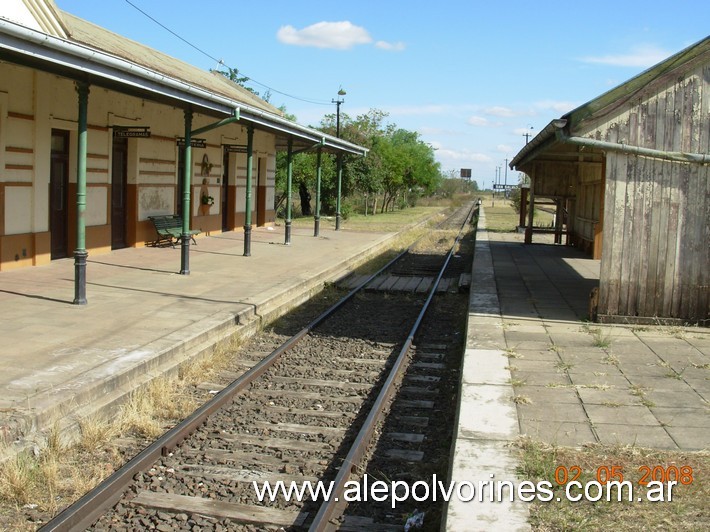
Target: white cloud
504,148
644,55
338,35
478,121
390,46
500,111
465,156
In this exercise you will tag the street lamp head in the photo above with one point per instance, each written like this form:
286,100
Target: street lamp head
341,92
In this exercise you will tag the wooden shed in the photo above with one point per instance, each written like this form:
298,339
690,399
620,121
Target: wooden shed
629,173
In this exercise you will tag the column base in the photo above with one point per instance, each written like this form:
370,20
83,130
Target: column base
185,254
247,240
80,277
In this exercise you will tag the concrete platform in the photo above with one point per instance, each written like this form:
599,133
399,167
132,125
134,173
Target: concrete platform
61,361
534,367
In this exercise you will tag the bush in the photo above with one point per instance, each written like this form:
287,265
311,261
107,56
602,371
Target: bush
514,196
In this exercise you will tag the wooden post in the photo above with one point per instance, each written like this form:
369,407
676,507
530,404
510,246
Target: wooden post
523,205
558,221
531,212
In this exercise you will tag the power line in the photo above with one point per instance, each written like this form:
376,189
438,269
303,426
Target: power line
220,61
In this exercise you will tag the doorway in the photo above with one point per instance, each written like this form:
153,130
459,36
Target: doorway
224,196
58,191
261,192
119,191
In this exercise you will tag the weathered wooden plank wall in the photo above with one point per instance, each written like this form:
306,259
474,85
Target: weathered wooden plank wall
656,249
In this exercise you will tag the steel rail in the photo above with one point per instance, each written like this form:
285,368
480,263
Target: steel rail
333,507
86,510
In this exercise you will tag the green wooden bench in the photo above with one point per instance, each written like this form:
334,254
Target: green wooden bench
169,229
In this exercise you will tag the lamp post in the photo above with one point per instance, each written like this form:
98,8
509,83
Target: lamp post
338,101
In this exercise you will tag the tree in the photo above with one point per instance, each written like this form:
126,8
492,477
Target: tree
232,74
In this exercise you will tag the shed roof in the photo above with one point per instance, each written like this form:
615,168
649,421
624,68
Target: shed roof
612,99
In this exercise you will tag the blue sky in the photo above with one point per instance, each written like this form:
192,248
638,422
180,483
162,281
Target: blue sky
471,77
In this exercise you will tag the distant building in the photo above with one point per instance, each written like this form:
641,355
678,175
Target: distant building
630,172
138,104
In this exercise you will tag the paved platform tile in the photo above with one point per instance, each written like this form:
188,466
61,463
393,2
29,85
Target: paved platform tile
636,435
622,415
542,395
683,417
558,432
487,413
569,412
609,397
690,438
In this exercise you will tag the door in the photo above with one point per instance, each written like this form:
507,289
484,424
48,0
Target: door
119,191
225,192
261,192
180,178
58,191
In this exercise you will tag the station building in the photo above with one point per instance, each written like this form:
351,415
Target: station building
629,172
92,140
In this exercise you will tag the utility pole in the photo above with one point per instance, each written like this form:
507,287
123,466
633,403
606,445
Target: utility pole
527,136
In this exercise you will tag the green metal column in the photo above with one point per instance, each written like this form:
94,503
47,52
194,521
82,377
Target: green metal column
187,177
80,253
316,228
289,182
247,214
340,190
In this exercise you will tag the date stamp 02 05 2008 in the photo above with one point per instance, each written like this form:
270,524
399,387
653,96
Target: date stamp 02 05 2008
682,475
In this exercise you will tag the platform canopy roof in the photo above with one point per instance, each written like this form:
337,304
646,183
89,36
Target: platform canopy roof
68,46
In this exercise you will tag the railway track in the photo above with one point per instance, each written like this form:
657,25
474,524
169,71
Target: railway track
309,411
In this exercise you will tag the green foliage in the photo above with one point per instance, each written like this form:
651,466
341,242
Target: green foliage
399,168
450,185
514,197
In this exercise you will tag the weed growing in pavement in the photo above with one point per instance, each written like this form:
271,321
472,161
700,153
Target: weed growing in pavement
563,366
511,353
600,338
522,400
610,360
638,391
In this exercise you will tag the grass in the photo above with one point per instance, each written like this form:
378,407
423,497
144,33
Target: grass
53,474
688,509
502,218
600,338
384,222
563,366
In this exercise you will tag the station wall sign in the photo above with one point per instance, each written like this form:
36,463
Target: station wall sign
235,148
131,132
194,142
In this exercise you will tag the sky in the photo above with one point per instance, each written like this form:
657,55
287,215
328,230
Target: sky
471,77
